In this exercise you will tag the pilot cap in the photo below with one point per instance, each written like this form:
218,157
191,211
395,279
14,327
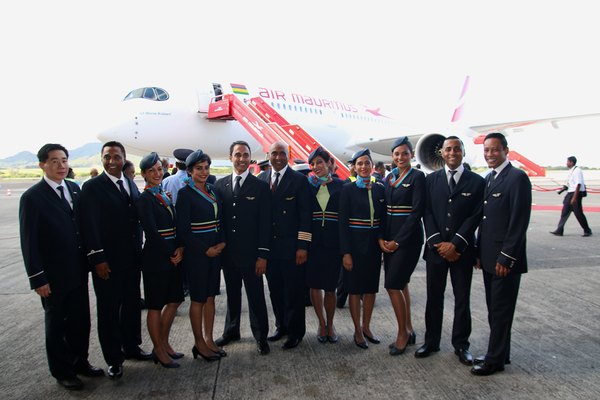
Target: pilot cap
182,154
400,142
149,161
193,158
318,151
263,163
358,154
302,168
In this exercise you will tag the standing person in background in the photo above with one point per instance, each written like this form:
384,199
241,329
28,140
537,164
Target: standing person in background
453,212
93,174
199,227
174,183
50,226
165,165
113,241
501,248
572,203
129,169
402,238
379,172
160,260
361,216
324,258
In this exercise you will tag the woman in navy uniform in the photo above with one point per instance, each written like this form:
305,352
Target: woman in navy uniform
324,258
402,239
198,225
160,261
361,216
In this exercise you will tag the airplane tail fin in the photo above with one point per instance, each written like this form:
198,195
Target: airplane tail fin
460,107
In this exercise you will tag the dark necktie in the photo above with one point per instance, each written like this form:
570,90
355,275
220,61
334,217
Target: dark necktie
452,181
64,199
492,177
276,181
123,192
237,187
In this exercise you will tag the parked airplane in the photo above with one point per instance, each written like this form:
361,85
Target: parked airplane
163,119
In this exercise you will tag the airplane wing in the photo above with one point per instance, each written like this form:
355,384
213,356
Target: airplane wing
485,129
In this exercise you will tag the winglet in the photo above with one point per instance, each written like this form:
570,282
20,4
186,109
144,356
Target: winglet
460,107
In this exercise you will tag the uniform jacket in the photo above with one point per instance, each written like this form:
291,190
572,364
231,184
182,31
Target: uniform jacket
159,230
355,218
453,217
290,214
51,239
325,229
405,208
246,220
111,230
502,234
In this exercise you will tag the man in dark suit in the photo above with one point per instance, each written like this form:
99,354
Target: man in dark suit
247,220
290,238
49,218
501,248
113,239
453,211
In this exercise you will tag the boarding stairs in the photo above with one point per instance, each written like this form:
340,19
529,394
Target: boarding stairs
267,126
529,166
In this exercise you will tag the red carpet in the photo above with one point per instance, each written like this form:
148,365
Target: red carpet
558,208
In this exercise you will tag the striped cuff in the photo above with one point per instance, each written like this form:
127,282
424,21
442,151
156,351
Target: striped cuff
306,236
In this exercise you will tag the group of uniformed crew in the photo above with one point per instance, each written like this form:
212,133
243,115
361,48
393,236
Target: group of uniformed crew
296,231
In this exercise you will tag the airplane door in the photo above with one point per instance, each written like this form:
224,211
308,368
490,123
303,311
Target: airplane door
205,93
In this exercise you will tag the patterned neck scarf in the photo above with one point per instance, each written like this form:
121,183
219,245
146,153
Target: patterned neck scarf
208,194
396,180
317,181
365,183
159,194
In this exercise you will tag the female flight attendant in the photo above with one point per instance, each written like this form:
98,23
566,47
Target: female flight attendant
402,238
160,261
324,259
361,217
199,219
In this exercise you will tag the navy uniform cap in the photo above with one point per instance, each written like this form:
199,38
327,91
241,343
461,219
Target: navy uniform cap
318,151
182,154
400,142
193,158
149,161
302,168
360,153
262,163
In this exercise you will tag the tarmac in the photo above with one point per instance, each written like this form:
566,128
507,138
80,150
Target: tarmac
555,336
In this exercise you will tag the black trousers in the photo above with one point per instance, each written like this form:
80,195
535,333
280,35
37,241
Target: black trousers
461,276
255,293
67,322
501,297
576,209
119,313
286,287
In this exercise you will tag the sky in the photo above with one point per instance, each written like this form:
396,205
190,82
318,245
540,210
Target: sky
66,63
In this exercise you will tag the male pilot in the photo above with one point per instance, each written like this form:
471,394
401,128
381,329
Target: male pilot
501,248
113,239
454,202
291,216
49,218
247,221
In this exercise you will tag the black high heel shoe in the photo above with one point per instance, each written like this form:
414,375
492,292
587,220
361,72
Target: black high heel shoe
172,364
413,338
197,353
220,352
176,355
373,339
396,351
363,345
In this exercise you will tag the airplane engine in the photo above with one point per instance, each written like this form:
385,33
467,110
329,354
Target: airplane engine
429,152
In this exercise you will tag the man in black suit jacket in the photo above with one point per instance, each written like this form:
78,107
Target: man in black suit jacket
501,248
49,218
453,211
246,220
291,215
113,239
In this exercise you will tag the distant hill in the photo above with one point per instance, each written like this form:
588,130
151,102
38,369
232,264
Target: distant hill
20,160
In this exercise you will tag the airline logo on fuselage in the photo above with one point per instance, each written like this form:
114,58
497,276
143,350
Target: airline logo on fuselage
299,99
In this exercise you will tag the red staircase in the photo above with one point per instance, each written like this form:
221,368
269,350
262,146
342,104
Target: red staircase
532,168
267,126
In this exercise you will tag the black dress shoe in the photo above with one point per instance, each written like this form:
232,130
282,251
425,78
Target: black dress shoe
115,371
586,234
425,351
278,335
263,347
226,339
373,339
71,383
479,360
363,345
484,369
140,356
556,233
464,356
89,370
291,343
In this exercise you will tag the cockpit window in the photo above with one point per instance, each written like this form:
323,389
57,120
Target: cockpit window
149,93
